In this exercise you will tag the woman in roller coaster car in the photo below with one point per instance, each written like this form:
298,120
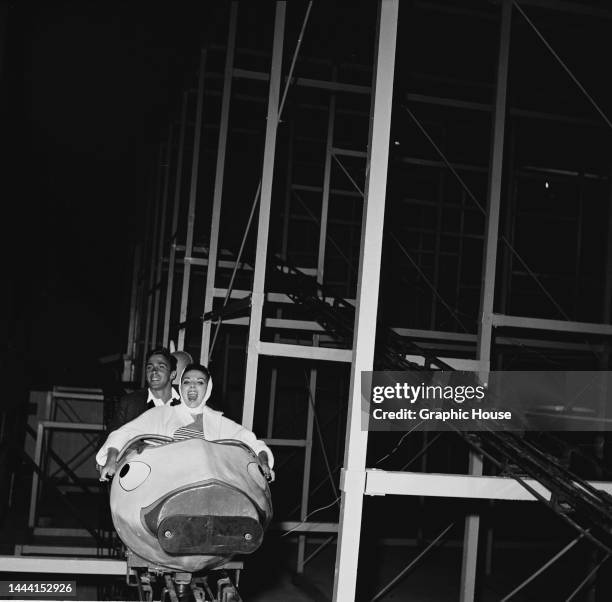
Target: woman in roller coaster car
192,418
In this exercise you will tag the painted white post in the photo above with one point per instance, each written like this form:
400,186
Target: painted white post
193,191
175,213
213,245
154,209
130,352
485,327
315,339
161,235
353,474
257,296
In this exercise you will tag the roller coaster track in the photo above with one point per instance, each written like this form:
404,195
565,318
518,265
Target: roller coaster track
573,499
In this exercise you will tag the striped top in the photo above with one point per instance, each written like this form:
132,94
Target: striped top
195,430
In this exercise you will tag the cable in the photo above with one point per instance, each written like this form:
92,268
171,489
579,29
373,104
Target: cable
501,236
397,445
348,175
257,194
548,563
560,61
453,312
339,497
309,515
395,579
235,270
421,451
320,434
587,579
429,283
482,209
294,59
329,237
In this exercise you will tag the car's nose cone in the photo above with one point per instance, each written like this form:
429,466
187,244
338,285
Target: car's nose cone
213,518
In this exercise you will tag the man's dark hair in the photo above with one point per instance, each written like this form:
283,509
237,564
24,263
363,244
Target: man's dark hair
196,366
166,354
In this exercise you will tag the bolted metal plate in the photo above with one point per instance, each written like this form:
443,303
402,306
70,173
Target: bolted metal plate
209,534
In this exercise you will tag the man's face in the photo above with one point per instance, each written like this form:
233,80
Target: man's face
159,373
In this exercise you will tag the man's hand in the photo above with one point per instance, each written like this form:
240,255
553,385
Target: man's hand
110,466
267,471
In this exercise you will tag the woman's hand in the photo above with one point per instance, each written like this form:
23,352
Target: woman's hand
110,466
265,467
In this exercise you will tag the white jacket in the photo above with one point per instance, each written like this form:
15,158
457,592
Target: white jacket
166,419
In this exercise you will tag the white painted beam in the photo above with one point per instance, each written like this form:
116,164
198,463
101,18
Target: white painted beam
69,566
556,325
305,352
309,527
382,482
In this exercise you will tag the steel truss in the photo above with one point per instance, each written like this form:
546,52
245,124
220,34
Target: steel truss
358,329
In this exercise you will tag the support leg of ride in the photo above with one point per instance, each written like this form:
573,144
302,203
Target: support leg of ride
185,590
143,582
169,589
197,593
207,589
226,591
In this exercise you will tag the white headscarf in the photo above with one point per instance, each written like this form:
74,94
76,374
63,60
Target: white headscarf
200,408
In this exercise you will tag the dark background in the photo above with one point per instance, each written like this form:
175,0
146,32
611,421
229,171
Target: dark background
86,95
85,90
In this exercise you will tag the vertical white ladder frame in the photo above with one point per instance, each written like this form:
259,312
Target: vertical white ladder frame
193,192
213,246
162,232
174,225
257,296
302,538
485,326
154,212
130,351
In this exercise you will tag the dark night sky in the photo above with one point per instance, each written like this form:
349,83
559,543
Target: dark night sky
86,94
89,91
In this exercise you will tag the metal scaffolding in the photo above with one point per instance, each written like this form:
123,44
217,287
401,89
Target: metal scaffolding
270,130
176,252
210,256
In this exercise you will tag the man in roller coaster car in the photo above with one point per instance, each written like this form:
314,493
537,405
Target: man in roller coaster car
191,418
160,371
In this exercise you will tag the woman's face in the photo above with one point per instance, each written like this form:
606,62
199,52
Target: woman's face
193,387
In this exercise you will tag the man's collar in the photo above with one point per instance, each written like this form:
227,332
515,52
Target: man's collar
159,402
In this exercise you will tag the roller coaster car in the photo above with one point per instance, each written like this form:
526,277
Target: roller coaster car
189,505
